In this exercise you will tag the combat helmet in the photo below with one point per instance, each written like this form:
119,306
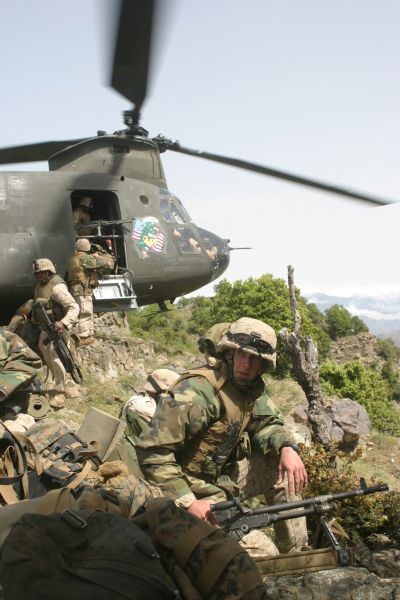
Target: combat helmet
82,245
86,202
160,380
43,264
208,342
252,336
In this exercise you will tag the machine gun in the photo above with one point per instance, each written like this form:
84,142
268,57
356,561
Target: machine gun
237,519
59,344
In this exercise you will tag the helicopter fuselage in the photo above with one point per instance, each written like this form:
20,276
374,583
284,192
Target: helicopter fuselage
134,216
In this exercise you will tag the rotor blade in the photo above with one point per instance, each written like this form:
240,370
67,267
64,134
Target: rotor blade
248,166
33,152
132,50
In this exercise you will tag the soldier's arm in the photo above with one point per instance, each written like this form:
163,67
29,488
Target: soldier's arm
77,216
105,263
268,432
176,421
266,427
19,364
62,296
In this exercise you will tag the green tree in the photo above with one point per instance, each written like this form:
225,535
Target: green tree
265,298
358,325
388,350
339,322
367,387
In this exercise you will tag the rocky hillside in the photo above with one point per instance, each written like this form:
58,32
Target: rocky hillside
362,347
117,364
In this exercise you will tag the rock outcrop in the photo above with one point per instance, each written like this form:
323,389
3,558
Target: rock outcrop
347,422
348,583
361,347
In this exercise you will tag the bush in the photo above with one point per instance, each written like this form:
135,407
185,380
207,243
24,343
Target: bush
365,386
168,330
362,515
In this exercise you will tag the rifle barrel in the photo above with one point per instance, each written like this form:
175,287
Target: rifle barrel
315,501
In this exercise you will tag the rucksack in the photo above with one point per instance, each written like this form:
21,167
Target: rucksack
76,553
49,456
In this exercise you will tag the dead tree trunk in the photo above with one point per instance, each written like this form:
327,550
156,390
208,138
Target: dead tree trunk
304,356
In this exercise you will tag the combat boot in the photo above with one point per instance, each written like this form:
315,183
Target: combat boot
57,399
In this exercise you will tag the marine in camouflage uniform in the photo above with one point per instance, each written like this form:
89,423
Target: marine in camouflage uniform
19,365
84,268
82,216
139,409
51,291
213,418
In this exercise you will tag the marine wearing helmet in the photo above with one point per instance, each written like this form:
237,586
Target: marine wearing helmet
82,245
251,336
86,202
140,408
199,430
82,215
85,267
52,292
43,264
160,380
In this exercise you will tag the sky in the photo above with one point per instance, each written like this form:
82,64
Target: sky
310,87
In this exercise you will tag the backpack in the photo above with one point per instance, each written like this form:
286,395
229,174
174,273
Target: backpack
49,456
83,552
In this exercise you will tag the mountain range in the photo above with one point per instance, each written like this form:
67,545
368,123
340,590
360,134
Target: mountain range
380,312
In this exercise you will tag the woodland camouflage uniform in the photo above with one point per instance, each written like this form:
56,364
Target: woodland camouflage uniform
18,363
179,451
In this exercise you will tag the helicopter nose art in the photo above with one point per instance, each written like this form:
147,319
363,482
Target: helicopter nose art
217,250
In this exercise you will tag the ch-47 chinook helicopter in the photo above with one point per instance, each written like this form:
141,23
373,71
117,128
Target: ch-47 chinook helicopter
161,254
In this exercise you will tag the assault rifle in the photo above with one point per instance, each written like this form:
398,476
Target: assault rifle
60,346
237,519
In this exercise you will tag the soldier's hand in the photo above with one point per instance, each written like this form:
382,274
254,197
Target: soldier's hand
59,326
202,510
291,464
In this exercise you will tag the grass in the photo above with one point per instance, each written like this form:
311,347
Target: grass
376,461
285,393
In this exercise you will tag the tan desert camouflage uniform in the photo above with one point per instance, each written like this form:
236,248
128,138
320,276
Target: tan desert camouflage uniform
83,273
18,363
188,423
65,309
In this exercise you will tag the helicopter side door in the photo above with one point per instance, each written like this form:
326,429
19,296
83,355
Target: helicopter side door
103,227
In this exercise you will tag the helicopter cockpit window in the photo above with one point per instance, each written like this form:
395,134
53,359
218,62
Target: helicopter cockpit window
186,240
173,211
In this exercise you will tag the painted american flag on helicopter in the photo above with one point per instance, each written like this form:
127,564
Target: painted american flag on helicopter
147,232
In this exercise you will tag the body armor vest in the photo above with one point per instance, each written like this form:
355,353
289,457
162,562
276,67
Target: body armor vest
82,280
208,452
45,291
84,270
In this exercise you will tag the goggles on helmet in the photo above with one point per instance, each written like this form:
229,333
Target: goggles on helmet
251,340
